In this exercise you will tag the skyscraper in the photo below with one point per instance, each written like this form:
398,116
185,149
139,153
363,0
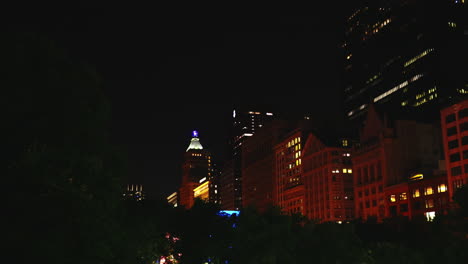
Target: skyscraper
407,57
196,170
245,124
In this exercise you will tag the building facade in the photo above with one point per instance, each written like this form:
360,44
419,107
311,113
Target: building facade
388,152
258,165
328,179
245,124
290,192
403,62
196,168
454,123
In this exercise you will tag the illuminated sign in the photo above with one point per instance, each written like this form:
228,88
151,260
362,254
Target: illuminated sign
195,133
417,177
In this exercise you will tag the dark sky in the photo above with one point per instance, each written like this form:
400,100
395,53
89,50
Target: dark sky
168,71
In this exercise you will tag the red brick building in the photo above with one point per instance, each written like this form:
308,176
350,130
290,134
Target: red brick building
289,180
328,180
388,152
454,123
428,195
423,196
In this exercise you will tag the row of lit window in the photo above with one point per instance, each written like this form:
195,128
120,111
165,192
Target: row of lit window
344,171
373,78
293,179
378,26
293,142
359,108
421,95
196,155
398,87
462,91
419,56
452,24
427,191
426,99
294,164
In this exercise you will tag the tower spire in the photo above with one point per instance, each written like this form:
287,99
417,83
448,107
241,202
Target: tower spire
194,142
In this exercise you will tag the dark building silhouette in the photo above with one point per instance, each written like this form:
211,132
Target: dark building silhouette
258,165
406,57
245,124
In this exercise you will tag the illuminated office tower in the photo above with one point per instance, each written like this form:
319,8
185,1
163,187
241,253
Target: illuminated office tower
407,57
245,124
196,172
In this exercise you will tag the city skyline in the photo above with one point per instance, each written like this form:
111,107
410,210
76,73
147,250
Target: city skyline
337,136
168,74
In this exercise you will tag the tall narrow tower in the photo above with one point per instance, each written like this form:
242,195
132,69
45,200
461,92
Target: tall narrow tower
245,124
196,171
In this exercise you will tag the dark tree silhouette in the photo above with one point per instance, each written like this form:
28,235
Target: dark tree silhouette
62,173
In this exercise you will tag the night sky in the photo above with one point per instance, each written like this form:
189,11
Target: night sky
168,71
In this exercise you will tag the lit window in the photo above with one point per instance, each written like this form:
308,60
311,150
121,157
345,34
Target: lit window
403,196
344,170
442,188
428,191
350,171
430,216
393,198
416,193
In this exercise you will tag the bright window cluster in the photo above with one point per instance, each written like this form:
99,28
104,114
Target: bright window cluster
378,26
424,53
398,87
